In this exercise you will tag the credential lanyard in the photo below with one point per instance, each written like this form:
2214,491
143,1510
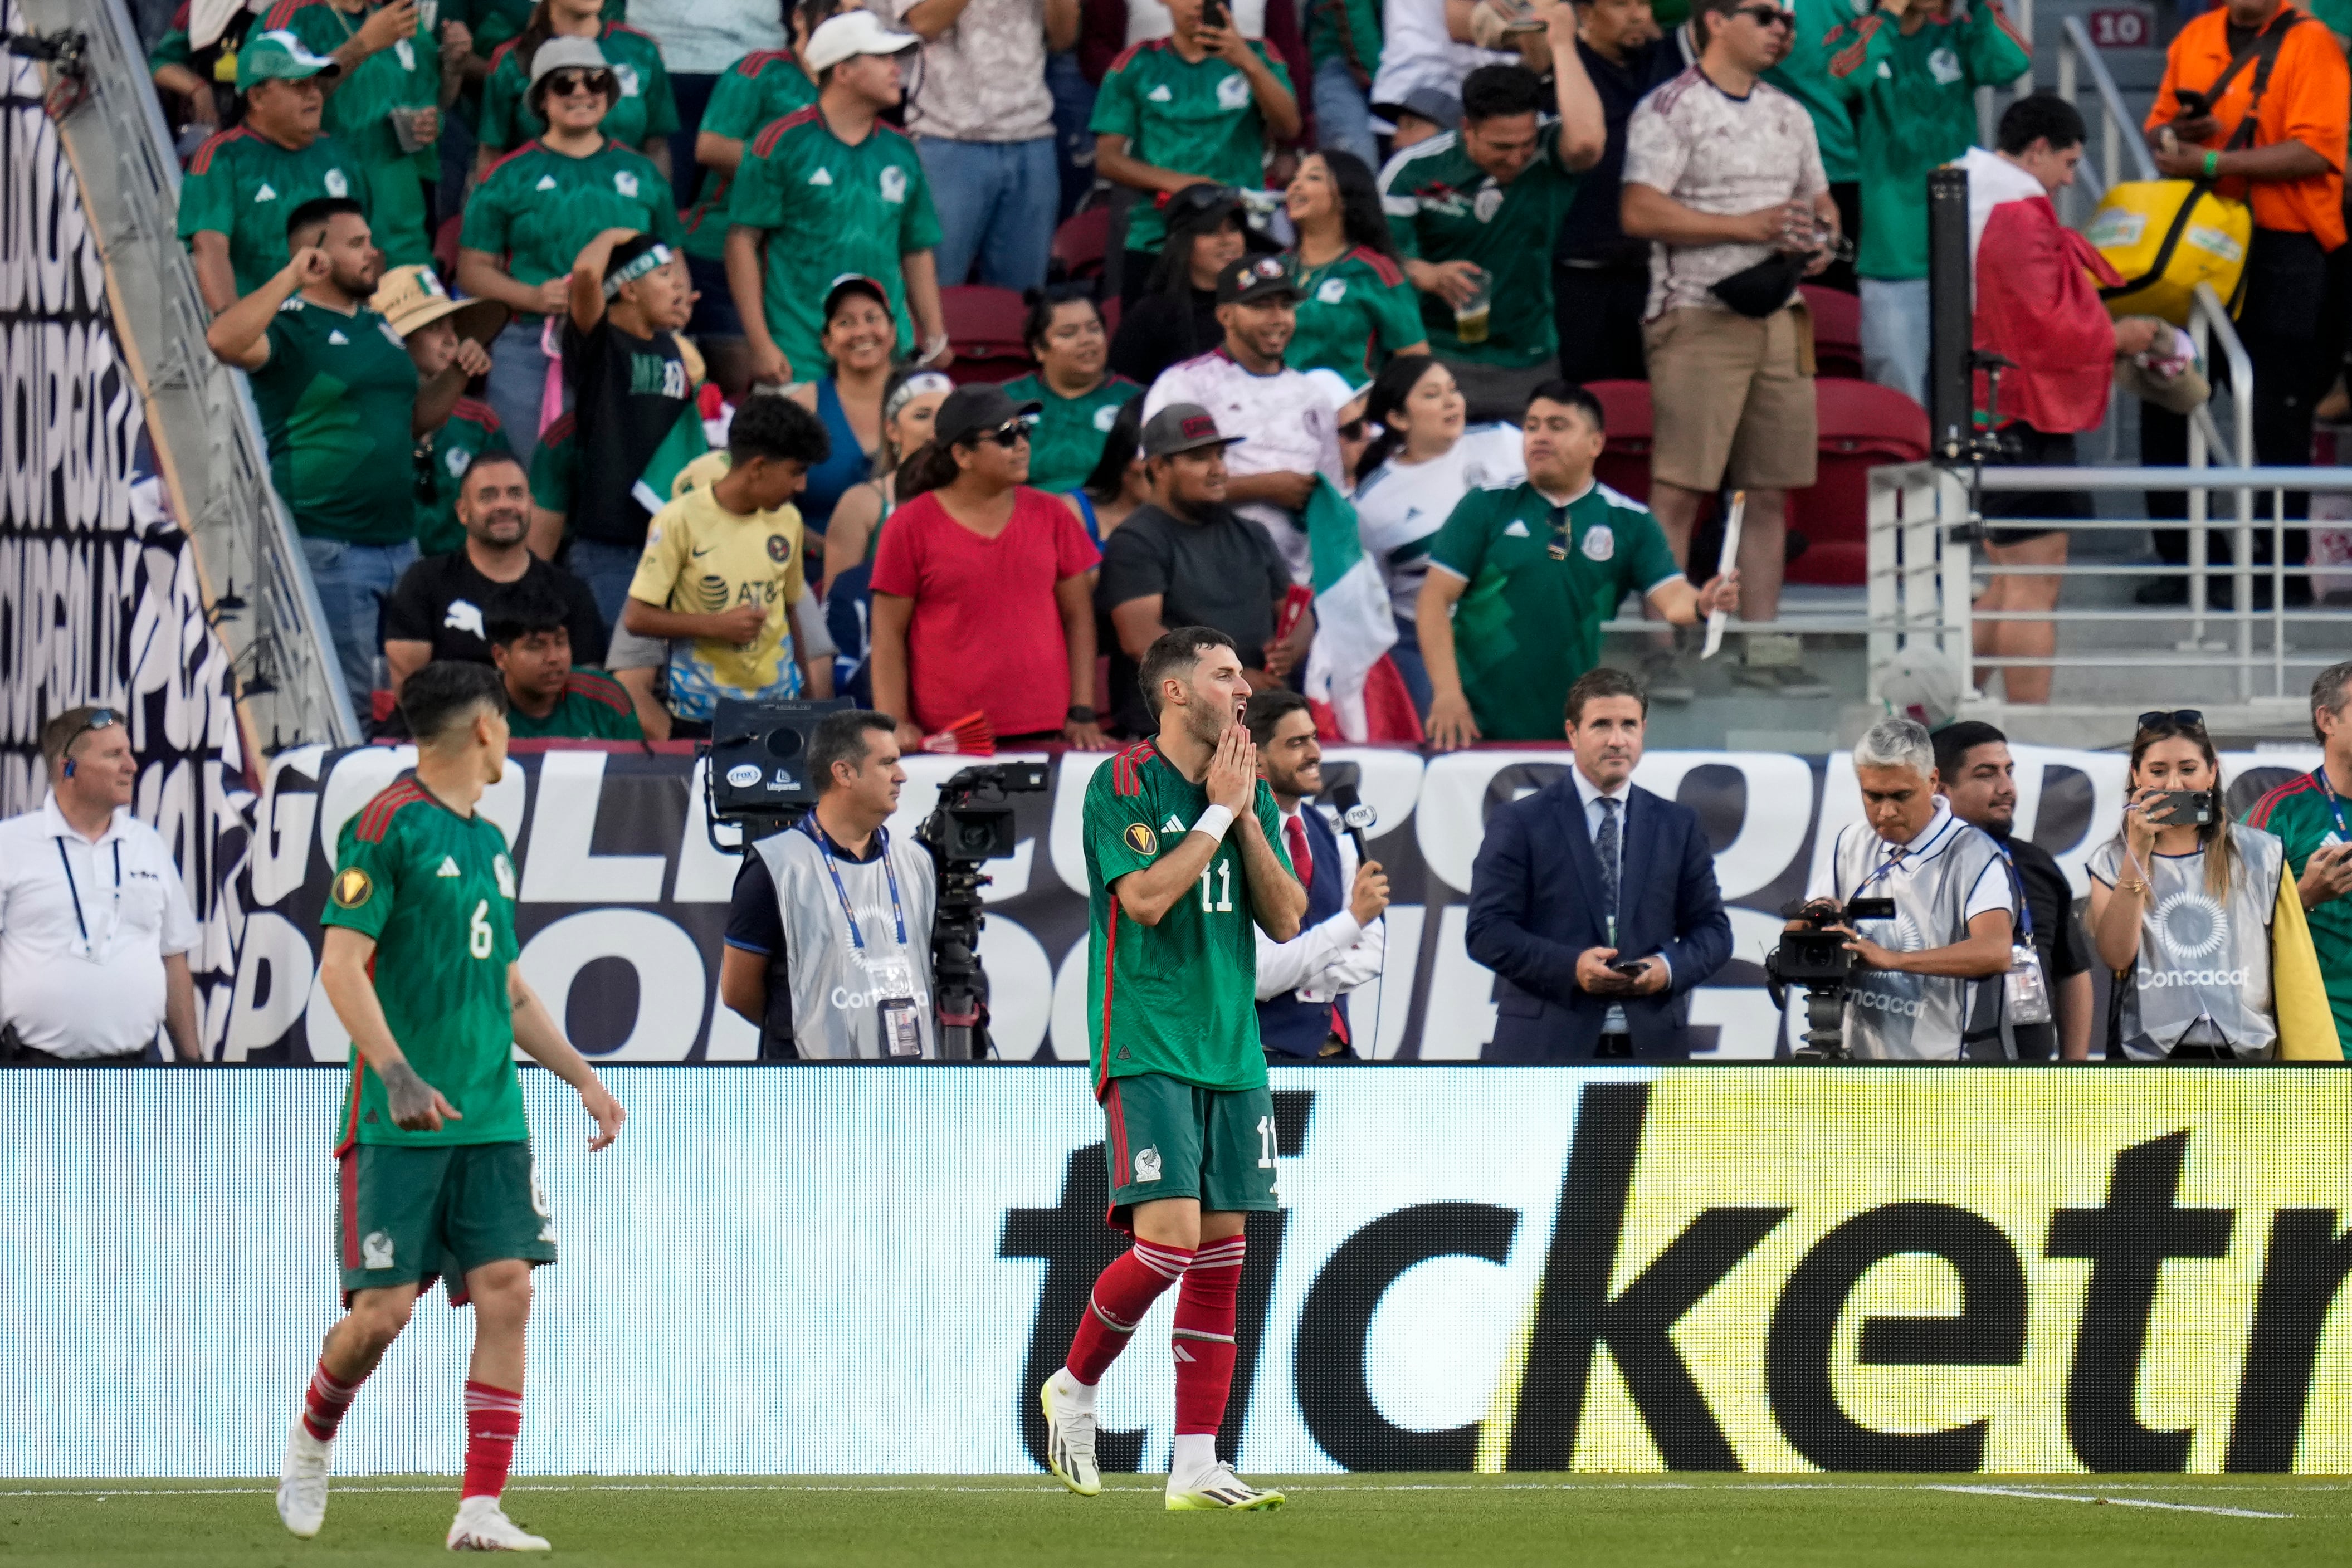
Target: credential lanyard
824,850
2017,886
74,888
2335,808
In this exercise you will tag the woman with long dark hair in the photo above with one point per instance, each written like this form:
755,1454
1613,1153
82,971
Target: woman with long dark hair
1063,332
1355,311
2196,919
1423,460
643,114
1118,484
1178,318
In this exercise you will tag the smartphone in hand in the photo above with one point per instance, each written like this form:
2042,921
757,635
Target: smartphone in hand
2181,808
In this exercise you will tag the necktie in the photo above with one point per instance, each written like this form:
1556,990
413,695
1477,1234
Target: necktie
1302,858
1607,847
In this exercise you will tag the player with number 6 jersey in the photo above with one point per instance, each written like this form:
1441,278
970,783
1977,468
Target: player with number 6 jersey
436,1178
1183,859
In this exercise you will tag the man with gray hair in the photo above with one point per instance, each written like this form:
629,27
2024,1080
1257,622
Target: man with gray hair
1917,997
2312,815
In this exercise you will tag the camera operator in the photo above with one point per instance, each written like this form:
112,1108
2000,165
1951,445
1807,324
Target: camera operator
829,932
1978,779
1303,984
2200,920
1953,910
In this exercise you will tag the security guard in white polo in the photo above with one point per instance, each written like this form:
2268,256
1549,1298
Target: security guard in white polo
95,925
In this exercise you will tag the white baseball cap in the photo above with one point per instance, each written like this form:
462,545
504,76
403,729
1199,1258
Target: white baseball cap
855,33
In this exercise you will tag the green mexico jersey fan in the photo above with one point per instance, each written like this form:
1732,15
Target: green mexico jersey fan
646,109
337,396
539,208
359,114
1441,206
1355,311
1067,440
243,185
2307,814
435,1178
1198,116
1184,867
442,460
763,86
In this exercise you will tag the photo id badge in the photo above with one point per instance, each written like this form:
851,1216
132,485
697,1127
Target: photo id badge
2027,993
892,981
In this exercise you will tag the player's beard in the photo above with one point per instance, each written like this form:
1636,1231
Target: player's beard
1207,717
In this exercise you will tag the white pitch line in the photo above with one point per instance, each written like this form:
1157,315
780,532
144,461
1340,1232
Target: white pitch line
2116,1501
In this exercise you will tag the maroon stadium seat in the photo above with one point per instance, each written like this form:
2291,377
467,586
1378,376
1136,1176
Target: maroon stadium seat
1624,465
1863,427
1081,244
984,325
1837,332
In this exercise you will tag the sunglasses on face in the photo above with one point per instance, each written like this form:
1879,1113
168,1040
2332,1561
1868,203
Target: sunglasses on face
1008,435
563,84
1767,15
2193,717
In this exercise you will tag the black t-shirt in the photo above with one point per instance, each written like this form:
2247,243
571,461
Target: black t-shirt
444,599
1220,573
755,923
2057,934
627,395
1158,331
1592,231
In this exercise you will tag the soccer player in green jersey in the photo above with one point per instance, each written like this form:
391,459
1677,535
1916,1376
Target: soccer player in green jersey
1181,862
436,1177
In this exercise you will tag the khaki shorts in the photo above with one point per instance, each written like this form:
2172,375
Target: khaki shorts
1731,399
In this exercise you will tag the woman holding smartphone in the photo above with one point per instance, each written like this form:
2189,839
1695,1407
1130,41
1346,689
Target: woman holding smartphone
2197,920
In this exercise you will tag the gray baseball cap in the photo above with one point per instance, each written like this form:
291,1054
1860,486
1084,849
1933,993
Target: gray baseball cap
1182,427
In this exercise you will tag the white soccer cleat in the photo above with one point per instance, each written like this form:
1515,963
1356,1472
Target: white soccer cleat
483,1526
1069,1441
302,1481
1218,1488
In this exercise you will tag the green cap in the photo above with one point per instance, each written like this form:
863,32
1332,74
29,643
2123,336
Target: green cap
278,56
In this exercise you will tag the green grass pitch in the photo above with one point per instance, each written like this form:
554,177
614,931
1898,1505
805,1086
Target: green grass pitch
1351,1520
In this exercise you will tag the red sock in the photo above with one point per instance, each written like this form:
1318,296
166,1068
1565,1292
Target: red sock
329,1397
1122,1295
1205,1313
493,1416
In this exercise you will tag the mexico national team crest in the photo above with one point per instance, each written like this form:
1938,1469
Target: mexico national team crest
1147,1165
894,184
1141,839
503,869
1598,543
353,888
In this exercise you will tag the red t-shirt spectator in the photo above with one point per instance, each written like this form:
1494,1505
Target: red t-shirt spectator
986,634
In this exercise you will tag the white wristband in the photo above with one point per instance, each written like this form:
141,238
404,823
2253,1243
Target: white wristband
1215,821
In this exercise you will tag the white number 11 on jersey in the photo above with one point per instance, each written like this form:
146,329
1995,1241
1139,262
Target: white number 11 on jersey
1223,872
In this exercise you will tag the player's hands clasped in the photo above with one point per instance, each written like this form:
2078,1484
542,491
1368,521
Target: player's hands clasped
1232,771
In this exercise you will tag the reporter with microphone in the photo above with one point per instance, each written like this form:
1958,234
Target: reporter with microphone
1303,984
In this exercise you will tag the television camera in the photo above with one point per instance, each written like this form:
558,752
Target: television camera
1815,959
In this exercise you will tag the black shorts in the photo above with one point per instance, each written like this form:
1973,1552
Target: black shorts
2026,447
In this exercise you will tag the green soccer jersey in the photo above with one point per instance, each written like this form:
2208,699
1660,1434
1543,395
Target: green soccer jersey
828,208
1824,34
1918,100
1355,312
1347,30
762,87
244,185
1542,580
1196,117
539,208
2306,813
646,110
1068,440
594,706
358,113
1178,998
442,460
336,397
554,463
436,892
1443,207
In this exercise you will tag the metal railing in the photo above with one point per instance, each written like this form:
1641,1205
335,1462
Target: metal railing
1922,566
2112,126
256,585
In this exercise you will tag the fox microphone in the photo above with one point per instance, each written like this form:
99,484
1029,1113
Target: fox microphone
1354,816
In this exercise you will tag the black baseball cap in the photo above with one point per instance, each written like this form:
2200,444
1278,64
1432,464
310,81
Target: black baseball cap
1200,207
1180,427
974,411
1256,278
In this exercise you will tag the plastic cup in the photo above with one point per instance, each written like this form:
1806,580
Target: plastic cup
1470,317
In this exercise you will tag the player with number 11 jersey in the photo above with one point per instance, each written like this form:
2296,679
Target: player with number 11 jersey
1183,859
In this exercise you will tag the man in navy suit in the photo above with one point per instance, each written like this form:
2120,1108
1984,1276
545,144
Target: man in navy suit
1594,902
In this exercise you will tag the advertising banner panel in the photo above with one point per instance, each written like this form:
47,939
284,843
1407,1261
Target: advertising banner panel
863,1270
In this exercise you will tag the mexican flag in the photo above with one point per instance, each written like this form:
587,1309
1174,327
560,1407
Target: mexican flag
686,442
1354,628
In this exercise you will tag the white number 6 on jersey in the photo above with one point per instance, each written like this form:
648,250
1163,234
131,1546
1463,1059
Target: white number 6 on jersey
477,931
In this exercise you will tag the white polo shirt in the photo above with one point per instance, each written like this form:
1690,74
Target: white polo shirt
84,929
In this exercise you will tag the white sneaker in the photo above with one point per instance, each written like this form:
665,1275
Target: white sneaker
302,1481
1218,1488
1069,1441
483,1526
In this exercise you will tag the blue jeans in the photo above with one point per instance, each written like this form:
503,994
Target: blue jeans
690,91
606,568
997,202
1894,334
1074,145
1343,117
517,381
352,583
